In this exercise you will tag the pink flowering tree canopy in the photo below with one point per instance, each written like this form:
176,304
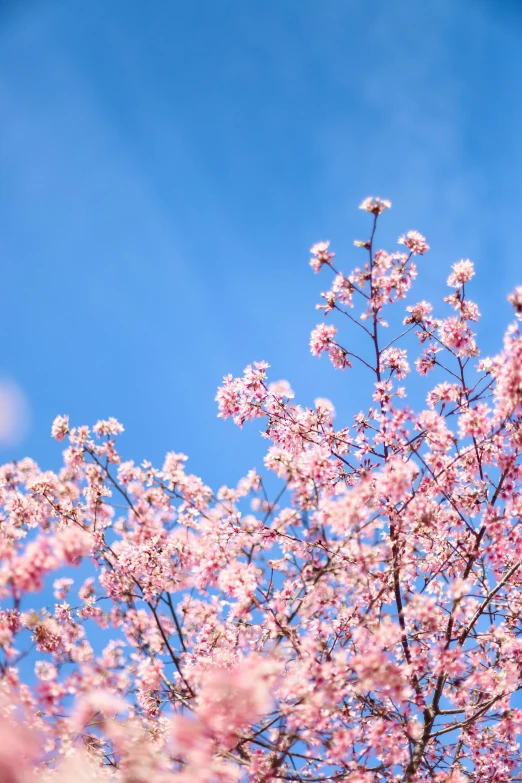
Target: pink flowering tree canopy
361,625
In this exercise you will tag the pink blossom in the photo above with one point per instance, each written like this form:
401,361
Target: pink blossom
508,374
418,313
18,750
321,255
107,427
476,421
427,360
462,273
338,357
326,406
415,242
343,290
60,427
444,392
515,299
394,359
230,700
454,333
349,611
375,205
45,671
61,587
281,388
94,704
321,338
72,544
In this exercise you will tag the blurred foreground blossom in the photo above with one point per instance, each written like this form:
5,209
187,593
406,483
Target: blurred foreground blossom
14,413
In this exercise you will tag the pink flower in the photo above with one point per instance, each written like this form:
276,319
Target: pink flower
418,313
375,205
239,580
325,406
476,422
321,338
281,389
61,587
462,273
60,427
394,359
508,373
107,427
515,299
320,255
73,544
45,671
293,625
415,242
338,357
231,700
316,463
383,390
458,588
456,334
443,392
343,290
427,361
96,703
18,751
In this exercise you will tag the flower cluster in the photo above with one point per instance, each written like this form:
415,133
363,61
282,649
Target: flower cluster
361,624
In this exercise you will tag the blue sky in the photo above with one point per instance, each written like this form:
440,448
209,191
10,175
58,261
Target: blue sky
165,167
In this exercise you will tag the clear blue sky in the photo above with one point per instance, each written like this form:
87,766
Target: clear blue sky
164,168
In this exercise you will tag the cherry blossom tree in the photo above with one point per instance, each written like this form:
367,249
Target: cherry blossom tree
363,625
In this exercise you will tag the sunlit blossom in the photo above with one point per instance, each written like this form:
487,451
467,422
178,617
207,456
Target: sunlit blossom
348,609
